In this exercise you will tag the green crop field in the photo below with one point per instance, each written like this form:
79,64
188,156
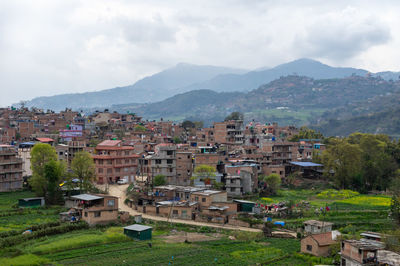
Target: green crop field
12,218
53,243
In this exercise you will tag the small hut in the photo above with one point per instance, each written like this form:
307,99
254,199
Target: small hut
31,202
138,231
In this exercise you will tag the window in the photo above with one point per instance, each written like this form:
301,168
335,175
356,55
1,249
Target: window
169,161
158,161
109,161
170,152
196,198
97,214
175,212
184,213
203,199
111,203
117,170
85,214
309,248
100,170
126,161
109,170
126,152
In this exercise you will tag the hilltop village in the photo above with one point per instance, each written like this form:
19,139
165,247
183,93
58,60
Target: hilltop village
251,177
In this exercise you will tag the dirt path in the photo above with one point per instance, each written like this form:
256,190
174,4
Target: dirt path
119,191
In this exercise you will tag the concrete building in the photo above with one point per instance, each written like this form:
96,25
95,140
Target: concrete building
10,169
237,185
96,209
163,162
360,252
114,162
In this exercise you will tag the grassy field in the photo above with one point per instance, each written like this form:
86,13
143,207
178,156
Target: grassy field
12,218
97,247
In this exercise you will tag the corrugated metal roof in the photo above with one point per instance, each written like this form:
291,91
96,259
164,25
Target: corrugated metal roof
306,164
244,201
137,227
87,197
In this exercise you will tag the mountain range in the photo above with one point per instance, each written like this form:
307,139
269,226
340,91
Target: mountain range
187,77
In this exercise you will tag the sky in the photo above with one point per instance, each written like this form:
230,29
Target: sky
49,47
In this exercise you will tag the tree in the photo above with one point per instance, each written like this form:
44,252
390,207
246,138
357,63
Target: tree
40,155
234,116
159,180
273,182
83,168
343,161
140,128
177,140
205,172
53,173
187,124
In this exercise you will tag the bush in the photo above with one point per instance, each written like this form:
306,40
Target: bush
40,232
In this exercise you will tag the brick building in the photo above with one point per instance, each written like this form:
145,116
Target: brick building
229,132
10,169
114,162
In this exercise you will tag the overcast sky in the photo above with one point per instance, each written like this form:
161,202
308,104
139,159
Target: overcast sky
50,47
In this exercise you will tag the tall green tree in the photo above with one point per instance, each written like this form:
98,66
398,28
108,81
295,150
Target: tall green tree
270,184
40,155
234,116
83,168
53,174
342,160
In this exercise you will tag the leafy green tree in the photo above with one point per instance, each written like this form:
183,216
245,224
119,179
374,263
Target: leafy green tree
159,180
187,124
342,161
234,116
83,168
177,140
40,155
273,183
53,174
140,128
205,172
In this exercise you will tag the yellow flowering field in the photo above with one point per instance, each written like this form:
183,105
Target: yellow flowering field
368,200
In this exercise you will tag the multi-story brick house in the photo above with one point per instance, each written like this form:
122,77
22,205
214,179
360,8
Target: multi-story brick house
114,162
10,169
229,132
184,168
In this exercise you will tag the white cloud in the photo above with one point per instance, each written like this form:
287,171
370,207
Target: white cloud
49,47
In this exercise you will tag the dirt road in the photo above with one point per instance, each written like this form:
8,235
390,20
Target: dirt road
119,191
